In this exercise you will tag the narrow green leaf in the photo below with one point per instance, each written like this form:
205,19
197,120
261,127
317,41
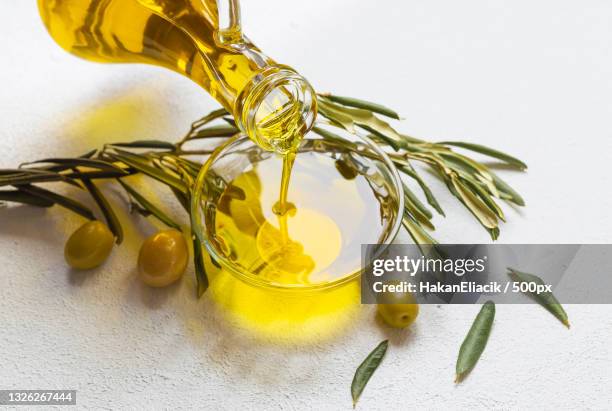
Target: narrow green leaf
486,198
230,121
467,164
96,175
190,170
200,269
509,192
411,139
12,172
486,217
366,105
366,370
34,177
545,299
198,255
213,115
142,166
215,262
416,202
109,214
333,137
385,139
475,341
89,154
337,118
417,233
58,199
150,207
215,131
494,233
18,196
419,217
488,152
135,207
8,173
153,144
431,199
364,119
78,161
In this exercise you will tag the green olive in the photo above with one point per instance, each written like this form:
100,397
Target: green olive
163,258
89,245
401,311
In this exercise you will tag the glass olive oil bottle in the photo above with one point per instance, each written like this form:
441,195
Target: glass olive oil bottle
201,39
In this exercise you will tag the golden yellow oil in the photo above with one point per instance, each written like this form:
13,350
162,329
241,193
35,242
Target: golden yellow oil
184,36
315,238
176,34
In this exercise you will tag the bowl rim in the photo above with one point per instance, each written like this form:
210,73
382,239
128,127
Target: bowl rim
199,226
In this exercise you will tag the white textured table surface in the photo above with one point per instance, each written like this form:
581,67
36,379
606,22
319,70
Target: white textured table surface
531,78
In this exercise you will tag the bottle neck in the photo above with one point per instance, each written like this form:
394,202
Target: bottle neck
276,108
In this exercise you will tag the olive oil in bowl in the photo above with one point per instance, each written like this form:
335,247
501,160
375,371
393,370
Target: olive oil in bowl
305,234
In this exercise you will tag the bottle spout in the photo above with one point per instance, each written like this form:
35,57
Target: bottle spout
229,25
277,108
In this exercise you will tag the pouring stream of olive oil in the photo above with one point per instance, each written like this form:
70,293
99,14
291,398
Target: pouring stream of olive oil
316,237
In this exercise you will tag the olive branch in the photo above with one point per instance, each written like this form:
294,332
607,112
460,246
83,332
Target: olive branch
176,166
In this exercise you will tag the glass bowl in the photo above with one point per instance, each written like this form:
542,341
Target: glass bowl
325,172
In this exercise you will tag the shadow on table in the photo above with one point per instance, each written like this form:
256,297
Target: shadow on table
22,221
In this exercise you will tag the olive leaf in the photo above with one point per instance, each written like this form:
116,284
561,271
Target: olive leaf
468,165
418,217
32,176
431,199
89,154
486,217
363,118
150,207
329,136
200,269
107,210
488,152
13,172
390,141
414,200
366,370
475,341
366,105
230,121
76,162
96,175
509,192
214,131
337,118
545,299
19,196
486,198
416,232
142,166
58,199
153,144
213,115
198,255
